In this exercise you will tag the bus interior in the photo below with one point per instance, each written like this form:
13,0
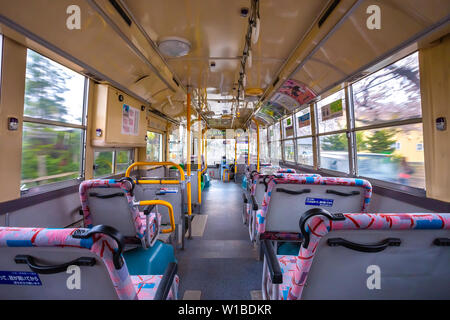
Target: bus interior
224,150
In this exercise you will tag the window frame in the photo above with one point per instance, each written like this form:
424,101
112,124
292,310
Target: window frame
350,132
83,127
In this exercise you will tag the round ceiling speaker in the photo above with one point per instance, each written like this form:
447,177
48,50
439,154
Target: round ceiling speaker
174,47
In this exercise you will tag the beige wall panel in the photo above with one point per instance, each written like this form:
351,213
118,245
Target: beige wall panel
108,118
435,89
11,105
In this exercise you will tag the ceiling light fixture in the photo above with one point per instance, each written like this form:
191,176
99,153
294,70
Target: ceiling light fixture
174,47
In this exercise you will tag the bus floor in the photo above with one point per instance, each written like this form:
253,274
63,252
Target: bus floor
219,262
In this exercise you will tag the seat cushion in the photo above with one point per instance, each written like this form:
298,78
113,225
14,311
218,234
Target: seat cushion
146,286
288,265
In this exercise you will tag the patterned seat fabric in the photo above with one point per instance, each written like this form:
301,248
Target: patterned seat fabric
101,245
301,179
138,217
286,170
146,286
295,269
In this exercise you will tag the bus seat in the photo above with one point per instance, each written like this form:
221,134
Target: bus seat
290,194
342,254
112,202
258,192
286,170
74,264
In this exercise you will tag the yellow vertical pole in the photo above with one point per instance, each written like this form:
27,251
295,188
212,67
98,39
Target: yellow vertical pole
248,153
235,155
199,158
188,164
257,144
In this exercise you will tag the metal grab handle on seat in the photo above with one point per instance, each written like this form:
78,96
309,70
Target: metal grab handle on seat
162,203
343,194
29,260
292,192
106,196
316,212
377,247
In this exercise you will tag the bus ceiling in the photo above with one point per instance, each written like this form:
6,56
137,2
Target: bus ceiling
239,60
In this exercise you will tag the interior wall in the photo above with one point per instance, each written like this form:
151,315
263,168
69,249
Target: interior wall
435,90
11,105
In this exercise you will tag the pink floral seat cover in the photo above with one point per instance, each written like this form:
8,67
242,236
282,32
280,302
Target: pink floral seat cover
127,287
303,179
138,217
295,269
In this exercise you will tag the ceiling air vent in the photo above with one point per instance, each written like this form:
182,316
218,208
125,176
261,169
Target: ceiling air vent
328,12
120,11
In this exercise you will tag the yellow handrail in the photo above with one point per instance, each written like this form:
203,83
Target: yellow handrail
162,203
199,159
188,162
205,151
257,146
141,164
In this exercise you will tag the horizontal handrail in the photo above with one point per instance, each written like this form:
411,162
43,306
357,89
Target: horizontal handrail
141,164
162,203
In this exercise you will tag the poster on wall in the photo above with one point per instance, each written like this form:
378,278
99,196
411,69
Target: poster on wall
285,101
304,120
130,120
332,110
273,111
297,91
289,127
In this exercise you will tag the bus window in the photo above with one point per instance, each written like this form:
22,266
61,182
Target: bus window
289,153
334,152
331,113
103,163
53,129
154,147
305,153
123,159
388,98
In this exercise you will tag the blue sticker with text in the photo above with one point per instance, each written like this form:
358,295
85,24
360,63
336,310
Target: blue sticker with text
18,278
319,202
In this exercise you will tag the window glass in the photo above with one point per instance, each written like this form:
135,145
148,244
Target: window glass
276,132
303,122
331,113
175,146
334,152
288,128
289,152
216,150
103,163
275,152
390,94
305,151
392,154
123,160
52,91
154,147
264,147
49,154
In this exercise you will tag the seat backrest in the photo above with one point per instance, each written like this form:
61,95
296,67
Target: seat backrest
259,188
415,266
98,278
110,202
290,195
